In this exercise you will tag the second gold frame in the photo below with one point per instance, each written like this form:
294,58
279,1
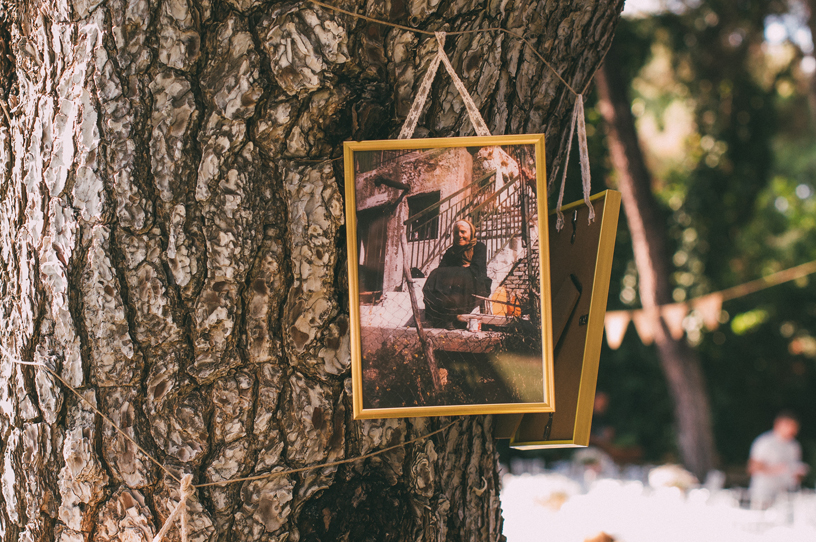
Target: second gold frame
582,252
449,283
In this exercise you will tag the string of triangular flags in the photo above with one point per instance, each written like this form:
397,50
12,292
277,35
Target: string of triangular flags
616,323
707,307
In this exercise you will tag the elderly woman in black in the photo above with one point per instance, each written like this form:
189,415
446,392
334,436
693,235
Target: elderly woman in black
462,273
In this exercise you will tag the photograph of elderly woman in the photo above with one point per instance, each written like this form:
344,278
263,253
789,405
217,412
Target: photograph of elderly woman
460,282
448,263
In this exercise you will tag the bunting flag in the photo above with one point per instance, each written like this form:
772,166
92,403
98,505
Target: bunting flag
643,325
674,315
709,307
615,324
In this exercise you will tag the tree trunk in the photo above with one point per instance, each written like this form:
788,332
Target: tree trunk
172,243
680,362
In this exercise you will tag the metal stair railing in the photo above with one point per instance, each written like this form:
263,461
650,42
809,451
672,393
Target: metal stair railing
502,219
498,216
445,212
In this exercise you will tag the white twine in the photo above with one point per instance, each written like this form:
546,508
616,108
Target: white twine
479,125
473,112
419,102
424,88
583,154
559,222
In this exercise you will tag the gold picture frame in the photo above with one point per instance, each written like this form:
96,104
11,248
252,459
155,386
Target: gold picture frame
581,253
435,226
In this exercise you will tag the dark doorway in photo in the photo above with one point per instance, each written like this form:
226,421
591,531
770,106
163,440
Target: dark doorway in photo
372,234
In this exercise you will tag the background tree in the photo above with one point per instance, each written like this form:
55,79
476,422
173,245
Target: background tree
173,244
680,362
720,100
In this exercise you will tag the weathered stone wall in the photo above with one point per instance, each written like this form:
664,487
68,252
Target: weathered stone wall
171,241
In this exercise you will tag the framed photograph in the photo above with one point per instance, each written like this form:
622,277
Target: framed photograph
580,269
449,300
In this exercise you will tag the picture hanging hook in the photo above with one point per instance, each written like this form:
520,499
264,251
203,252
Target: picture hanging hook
548,428
574,225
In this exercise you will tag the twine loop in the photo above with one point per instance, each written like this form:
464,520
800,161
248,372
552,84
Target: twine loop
578,120
479,125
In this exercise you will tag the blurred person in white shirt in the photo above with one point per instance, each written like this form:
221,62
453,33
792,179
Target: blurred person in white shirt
775,462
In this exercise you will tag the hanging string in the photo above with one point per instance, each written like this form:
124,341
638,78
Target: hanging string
583,154
186,487
332,463
92,407
479,125
186,490
559,222
411,120
455,33
786,275
473,112
617,322
424,88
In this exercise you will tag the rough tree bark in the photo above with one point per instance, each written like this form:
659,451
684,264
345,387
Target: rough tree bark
172,242
680,362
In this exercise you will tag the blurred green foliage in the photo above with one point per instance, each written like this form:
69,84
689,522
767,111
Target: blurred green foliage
726,122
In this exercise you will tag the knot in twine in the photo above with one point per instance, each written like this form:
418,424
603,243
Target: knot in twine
186,489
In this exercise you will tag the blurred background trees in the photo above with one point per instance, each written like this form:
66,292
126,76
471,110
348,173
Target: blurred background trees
723,94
